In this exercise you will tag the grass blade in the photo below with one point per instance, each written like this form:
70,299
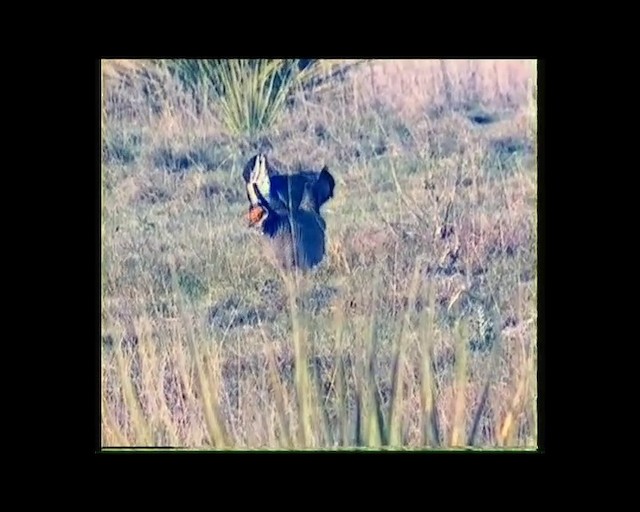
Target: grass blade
215,426
340,382
280,397
395,421
458,429
430,428
493,364
139,423
375,431
301,361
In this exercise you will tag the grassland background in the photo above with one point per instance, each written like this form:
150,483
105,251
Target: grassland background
435,165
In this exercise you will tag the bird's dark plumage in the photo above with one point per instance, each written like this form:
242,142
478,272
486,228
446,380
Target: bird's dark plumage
288,188
293,222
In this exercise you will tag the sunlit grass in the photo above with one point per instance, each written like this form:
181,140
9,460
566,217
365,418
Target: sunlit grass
207,346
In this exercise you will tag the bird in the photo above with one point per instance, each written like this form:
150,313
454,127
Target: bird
287,210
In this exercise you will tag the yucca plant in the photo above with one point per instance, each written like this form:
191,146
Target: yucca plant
248,94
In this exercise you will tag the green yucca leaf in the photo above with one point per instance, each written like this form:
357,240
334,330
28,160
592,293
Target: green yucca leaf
370,431
395,420
304,389
429,416
458,429
379,434
359,436
375,433
340,382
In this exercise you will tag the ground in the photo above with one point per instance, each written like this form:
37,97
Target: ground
424,309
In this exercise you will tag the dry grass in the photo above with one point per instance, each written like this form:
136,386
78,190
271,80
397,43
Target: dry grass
432,230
